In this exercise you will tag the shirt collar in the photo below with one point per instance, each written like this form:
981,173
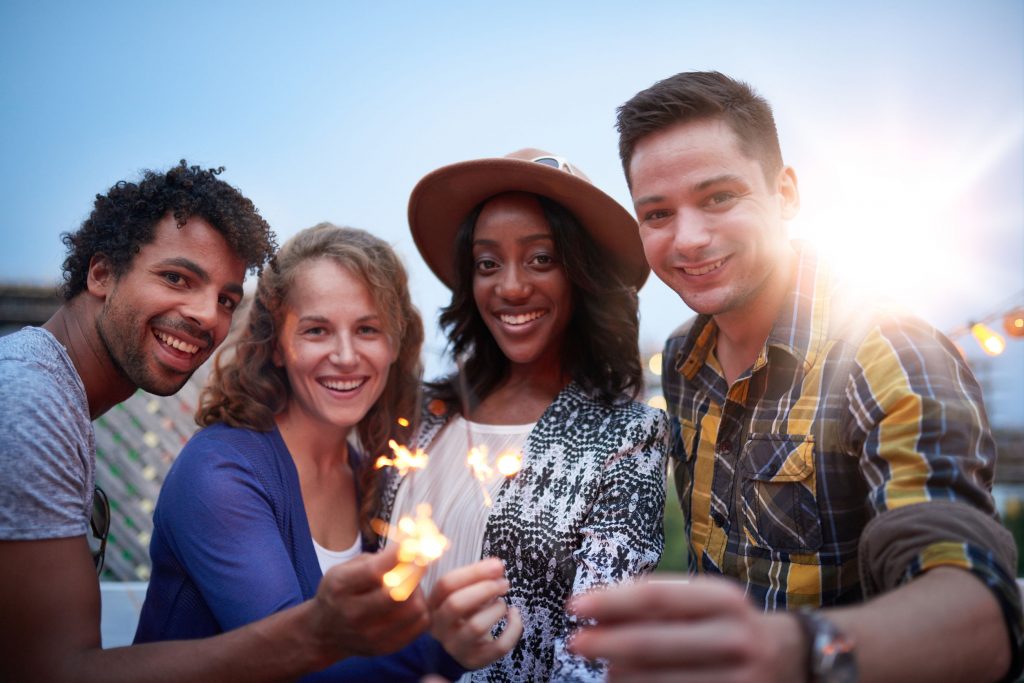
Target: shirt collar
800,330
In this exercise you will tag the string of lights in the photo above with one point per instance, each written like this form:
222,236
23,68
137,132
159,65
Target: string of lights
991,342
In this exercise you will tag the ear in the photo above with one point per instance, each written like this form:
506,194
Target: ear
275,356
789,193
100,279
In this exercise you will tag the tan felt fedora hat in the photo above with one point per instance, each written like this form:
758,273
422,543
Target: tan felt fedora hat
443,198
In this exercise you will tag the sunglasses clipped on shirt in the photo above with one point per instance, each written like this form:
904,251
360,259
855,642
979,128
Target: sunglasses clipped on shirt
100,523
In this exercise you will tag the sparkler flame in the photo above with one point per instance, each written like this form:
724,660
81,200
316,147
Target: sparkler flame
509,463
420,542
404,459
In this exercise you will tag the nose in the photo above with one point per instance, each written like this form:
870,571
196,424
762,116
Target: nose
344,352
692,233
514,283
202,310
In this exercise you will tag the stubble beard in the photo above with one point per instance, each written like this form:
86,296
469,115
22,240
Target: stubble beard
115,327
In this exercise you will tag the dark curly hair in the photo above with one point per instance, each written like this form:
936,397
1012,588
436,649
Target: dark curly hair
698,95
124,220
246,388
601,341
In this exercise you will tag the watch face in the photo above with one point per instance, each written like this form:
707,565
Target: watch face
832,652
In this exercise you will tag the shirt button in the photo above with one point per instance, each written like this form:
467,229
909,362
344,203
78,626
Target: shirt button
718,518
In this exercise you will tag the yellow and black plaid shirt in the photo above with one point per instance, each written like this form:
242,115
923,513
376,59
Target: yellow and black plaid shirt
846,413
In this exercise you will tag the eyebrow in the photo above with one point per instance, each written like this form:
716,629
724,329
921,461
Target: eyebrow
702,185
317,318
199,272
536,237
717,180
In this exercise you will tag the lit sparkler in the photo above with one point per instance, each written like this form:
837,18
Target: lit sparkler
476,459
509,463
420,542
404,459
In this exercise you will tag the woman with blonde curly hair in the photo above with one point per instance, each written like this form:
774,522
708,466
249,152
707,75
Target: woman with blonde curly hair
271,493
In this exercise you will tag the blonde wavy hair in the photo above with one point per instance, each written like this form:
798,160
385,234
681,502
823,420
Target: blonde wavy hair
246,389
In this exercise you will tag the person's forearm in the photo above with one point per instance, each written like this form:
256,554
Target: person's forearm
278,648
944,625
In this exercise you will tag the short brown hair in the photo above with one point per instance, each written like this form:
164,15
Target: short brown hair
696,95
246,388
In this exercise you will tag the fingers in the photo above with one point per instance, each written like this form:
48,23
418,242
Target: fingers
490,649
704,630
464,603
513,630
661,600
362,574
480,623
653,645
357,612
471,643
457,579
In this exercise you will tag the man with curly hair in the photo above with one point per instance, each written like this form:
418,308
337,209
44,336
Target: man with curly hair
152,279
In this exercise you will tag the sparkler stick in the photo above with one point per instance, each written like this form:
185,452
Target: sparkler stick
476,458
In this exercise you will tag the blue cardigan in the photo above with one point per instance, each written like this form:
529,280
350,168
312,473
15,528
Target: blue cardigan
231,545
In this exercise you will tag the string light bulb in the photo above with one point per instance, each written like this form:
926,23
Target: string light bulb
1013,323
991,342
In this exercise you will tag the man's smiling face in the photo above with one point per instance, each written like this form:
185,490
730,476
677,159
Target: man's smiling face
712,225
164,317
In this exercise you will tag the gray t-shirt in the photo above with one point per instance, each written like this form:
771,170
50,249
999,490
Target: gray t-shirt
47,443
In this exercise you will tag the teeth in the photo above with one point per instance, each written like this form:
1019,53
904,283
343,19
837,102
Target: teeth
176,343
520,319
347,385
705,269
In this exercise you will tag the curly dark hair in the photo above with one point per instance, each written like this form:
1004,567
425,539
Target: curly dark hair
601,341
696,95
124,220
246,388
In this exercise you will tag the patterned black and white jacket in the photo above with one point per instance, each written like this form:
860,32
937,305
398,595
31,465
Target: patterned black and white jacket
585,510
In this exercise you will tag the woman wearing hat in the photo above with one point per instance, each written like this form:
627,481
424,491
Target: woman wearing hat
543,268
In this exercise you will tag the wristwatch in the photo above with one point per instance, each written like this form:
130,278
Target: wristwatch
831,652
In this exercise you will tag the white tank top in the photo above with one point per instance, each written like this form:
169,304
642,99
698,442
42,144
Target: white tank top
456,496
328,558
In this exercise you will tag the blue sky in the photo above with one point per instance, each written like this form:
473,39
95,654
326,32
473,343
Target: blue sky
904,121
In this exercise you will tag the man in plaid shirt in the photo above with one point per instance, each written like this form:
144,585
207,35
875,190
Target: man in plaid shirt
830,452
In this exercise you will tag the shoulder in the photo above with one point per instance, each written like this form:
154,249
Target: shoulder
679,334
434,414
621,416
34,366
881,332
218,452
46,439
42,400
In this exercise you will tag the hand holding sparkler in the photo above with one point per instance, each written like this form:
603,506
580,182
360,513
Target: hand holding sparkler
353,616
465,606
